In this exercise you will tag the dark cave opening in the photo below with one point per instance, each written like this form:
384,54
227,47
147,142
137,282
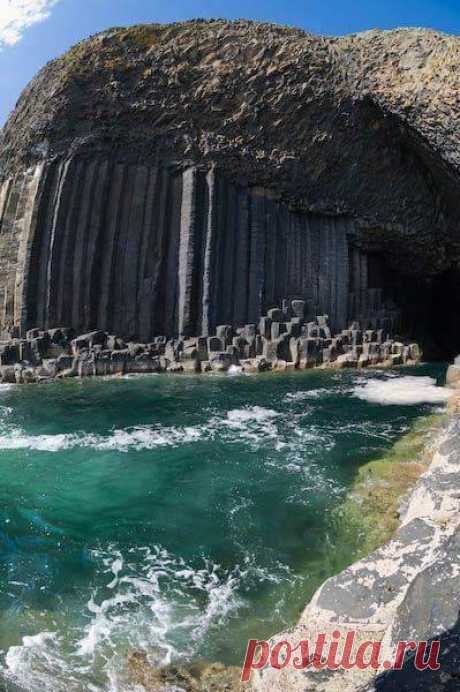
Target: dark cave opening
430,313
428,306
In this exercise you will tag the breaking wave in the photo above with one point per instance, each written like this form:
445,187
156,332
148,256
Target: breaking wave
255,426
150,601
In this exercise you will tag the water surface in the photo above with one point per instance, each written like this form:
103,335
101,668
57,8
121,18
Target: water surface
176,515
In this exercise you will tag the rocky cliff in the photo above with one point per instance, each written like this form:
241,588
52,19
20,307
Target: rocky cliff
165,179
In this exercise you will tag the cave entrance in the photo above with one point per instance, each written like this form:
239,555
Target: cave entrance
430,311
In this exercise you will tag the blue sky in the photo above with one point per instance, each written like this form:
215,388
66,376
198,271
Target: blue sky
34,31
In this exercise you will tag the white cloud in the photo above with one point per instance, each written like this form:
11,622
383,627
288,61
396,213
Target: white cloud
16,16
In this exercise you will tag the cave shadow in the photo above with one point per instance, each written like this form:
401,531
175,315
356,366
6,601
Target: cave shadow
430,312
409,679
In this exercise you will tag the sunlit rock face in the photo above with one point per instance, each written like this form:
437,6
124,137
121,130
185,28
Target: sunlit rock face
149,249
167,179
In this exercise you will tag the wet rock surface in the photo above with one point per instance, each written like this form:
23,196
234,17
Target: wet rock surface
201,677
290,343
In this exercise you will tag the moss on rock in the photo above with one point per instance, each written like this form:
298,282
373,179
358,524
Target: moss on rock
370,514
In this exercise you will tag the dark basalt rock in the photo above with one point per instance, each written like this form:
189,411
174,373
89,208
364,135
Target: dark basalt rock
168,179
97,353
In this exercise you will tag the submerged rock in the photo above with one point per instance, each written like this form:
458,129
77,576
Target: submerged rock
406,590
200,677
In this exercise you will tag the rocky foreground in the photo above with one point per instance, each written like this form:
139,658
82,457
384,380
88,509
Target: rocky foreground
282,340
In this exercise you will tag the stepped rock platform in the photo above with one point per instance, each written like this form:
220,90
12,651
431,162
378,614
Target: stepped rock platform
283,339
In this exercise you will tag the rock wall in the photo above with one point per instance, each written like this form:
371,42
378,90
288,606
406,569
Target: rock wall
148,249
359,134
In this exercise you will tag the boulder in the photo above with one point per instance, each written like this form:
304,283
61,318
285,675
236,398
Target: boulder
115,343
277,329
7,374
224,331
216,344
220,362
119,359
265,324
293,329
452,376
415,353
9,354
103,363
310,352
86,366
86,342
249,331
202,347
175,368
275,315
298,308
345,360
143,363
64,362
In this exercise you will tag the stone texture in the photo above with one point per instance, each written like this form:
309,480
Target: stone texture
157,201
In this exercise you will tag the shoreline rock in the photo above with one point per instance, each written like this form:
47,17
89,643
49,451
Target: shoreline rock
284,339
408,589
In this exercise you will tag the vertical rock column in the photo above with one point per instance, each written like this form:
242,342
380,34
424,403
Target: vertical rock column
147,249
257,274
190,251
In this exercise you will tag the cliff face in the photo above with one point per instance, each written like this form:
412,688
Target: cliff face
165,179
147,249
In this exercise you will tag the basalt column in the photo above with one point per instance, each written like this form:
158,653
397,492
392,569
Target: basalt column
146,249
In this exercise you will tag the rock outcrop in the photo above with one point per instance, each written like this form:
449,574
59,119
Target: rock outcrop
167,179
282,340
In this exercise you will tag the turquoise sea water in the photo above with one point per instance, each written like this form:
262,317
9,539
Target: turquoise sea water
177,515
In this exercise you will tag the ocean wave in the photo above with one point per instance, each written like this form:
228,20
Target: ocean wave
237,370
379,430
137,438
402,391
149,600
250,424
259,414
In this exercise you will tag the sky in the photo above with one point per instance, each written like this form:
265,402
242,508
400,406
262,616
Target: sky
35,31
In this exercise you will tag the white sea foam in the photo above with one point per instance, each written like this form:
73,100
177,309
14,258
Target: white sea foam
255,426
236,370
250,413
403,391
250,424
148,600
310,394
138,438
